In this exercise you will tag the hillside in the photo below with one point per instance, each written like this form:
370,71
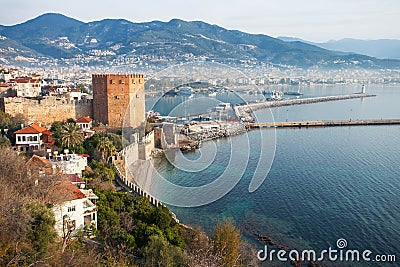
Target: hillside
103,42
381,48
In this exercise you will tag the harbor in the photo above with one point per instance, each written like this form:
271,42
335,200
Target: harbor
245,112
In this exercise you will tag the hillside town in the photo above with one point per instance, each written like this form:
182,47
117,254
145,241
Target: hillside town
65,140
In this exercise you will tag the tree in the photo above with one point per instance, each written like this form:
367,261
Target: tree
70,137
83,88
226,241
41,231
5,119
159,253
4,142
11,123
106,148
116,140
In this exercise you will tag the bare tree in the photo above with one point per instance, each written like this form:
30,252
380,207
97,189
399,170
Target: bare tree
68,228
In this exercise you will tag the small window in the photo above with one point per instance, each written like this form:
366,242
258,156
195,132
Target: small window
111,82
71,209
23,138
19,138
116,97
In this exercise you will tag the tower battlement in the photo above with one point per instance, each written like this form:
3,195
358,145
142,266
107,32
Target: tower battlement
107,75
119,99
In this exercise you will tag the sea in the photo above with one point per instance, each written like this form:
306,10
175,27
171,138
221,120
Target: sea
324,184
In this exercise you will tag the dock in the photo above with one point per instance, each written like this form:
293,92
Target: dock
245,112
324,123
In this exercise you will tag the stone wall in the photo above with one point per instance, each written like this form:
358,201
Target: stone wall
166,136
47,110
146,146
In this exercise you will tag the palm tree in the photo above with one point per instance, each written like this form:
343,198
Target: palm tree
70,135
111,150
106,148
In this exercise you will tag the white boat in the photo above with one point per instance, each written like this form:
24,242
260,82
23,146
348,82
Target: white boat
275,95
185,90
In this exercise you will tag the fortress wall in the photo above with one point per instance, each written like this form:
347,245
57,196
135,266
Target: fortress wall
47,110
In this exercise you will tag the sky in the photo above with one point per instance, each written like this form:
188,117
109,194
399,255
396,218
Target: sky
312,20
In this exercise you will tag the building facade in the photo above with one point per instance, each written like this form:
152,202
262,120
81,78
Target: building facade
119,100
33,137
69,163
84,123
26,87
77,213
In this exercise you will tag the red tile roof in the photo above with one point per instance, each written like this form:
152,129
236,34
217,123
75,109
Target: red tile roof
39,161
26,80
34,128
40,164
73,178
68,191
84,120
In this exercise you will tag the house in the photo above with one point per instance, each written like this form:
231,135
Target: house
74,94
68,163
27,87
33,137
40,164
76,212
84,123
4,87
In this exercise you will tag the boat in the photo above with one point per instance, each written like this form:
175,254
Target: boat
274,95
293,93
172,92
185,90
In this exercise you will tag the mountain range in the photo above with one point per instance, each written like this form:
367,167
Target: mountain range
57,37
381,48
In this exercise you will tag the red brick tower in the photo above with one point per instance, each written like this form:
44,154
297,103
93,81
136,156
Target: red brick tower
119,99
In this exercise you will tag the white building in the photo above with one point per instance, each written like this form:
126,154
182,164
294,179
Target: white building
26,87
84,123
32,137
6,77
77,213
74,94
69,163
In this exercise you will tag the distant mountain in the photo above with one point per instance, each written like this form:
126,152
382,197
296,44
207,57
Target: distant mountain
112,41
381,48
294,39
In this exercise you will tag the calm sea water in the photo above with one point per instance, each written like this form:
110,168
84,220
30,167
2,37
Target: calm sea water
324,184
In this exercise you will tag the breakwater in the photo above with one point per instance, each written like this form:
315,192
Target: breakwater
326,123
245,112
228,129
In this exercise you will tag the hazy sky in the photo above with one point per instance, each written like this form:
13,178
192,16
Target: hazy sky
314,20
